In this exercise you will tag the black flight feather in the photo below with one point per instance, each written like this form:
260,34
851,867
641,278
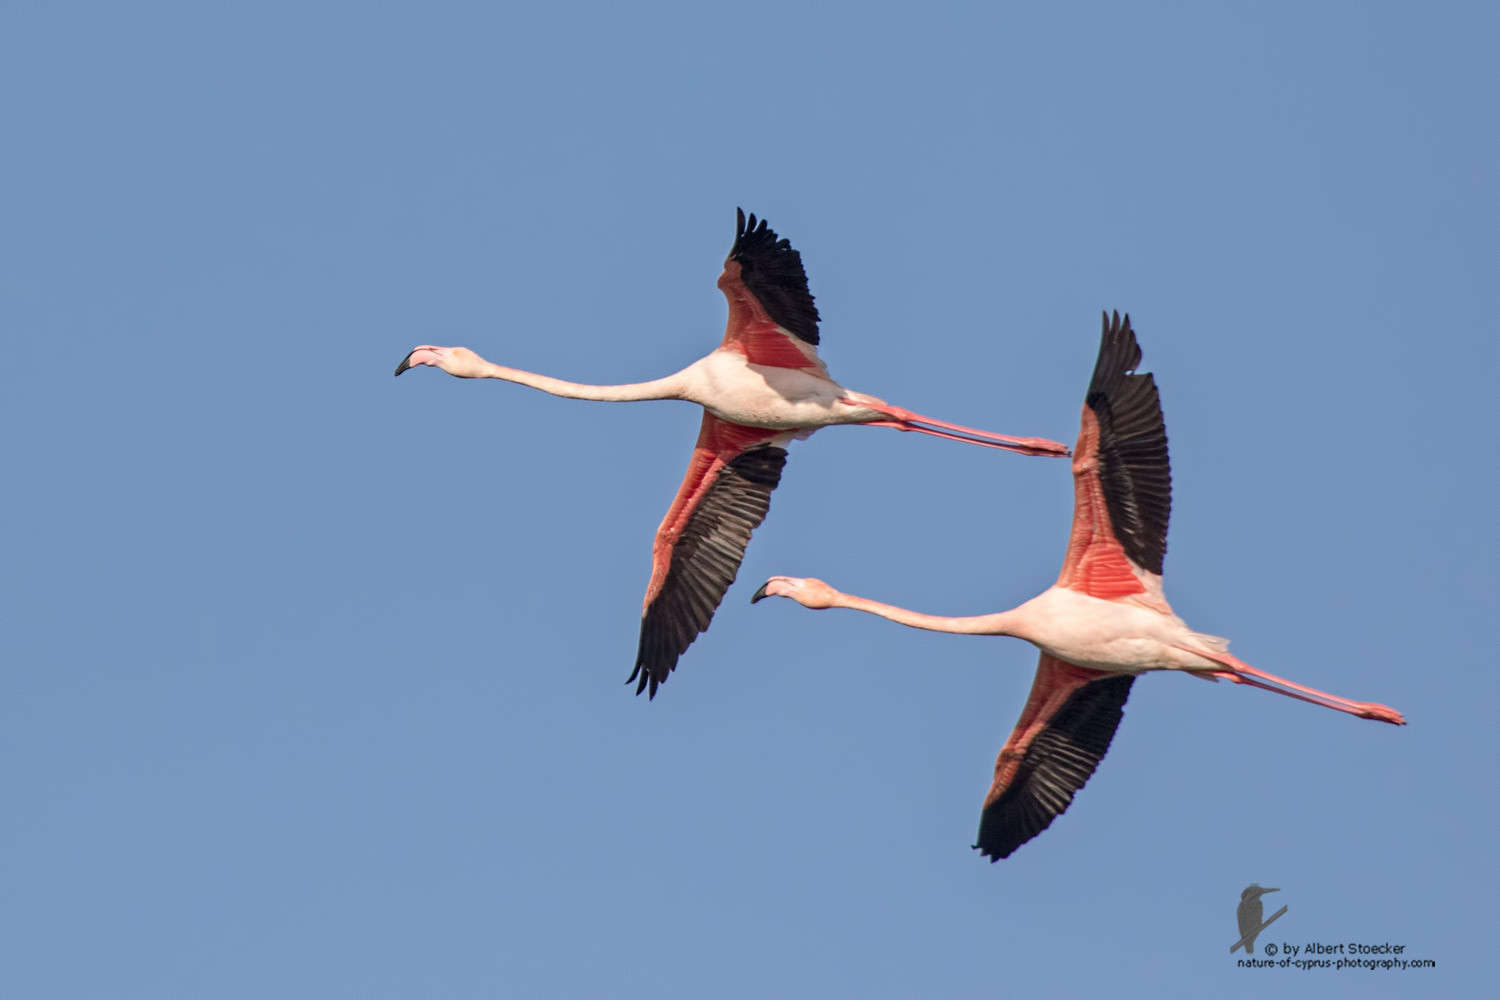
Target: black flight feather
772,271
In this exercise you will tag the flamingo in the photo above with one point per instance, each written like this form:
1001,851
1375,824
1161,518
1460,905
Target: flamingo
762,387
1106,619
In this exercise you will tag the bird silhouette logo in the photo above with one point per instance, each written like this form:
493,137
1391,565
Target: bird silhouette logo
1248,916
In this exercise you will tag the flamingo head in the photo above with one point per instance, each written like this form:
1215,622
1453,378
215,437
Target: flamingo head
459,362
809,593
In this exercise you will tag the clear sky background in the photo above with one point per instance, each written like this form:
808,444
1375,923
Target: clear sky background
314,679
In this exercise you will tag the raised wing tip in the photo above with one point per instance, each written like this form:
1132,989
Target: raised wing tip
1119,335
1117,330
744,227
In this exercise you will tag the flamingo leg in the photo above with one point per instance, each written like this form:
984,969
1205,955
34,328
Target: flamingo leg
905,420
901,426
1243,673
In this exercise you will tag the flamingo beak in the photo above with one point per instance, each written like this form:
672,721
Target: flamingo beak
760,593
405,363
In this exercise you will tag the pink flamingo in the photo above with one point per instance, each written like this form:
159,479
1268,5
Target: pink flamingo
763,386
1103,622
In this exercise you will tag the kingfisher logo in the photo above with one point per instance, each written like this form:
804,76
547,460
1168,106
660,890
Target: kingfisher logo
1249,914
1335,956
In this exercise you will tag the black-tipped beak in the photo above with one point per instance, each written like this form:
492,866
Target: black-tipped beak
405,363
760,593
1264,891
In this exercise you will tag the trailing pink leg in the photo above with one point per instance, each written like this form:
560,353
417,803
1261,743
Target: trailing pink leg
1241,672
905,420
1018,449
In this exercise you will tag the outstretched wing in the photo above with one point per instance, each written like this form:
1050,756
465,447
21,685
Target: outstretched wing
1064,731
702,540
772,319
1122,479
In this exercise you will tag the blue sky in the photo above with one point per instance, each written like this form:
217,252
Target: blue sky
314,679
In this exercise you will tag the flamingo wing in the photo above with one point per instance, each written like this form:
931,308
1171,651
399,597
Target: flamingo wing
1064,731
1122,479
772,319
701,541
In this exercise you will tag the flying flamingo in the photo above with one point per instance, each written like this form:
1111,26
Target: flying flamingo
1103,622
762,387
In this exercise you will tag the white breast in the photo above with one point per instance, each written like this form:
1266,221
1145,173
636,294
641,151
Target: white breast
729,387
1107,635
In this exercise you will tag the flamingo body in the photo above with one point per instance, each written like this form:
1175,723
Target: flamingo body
761,388
1104,622
1109,633
735,389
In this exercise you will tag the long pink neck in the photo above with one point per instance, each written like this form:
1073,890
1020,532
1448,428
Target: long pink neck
662,388
1000,623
